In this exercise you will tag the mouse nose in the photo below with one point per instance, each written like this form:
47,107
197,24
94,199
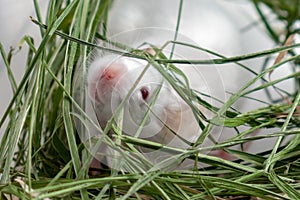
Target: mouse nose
112,72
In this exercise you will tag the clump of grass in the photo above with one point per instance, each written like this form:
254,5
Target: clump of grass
41,155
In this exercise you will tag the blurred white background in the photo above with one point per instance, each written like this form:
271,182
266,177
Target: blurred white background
15,23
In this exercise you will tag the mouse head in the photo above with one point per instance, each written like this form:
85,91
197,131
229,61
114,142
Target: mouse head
147,97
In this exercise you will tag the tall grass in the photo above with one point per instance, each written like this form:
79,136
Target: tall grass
41,155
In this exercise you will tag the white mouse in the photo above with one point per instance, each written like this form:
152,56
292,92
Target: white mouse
114,79
110,80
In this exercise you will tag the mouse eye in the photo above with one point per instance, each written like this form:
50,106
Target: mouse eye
144,92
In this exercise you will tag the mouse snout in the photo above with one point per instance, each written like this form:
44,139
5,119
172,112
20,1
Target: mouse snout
112,73
107,80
